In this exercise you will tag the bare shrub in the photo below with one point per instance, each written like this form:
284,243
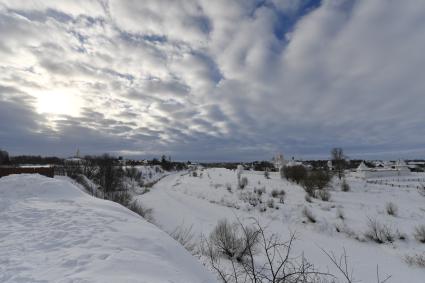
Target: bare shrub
276,193
308,198
391,209
260,191
243,183
229,187
401,236
139,209
345,187
345,229
229,240
415,260
419,233
294,173
379,232
251,198
184,235
270,203
123,197
324,195
309,215
315,181
90,188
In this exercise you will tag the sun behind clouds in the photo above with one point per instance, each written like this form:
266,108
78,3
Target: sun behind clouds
58,102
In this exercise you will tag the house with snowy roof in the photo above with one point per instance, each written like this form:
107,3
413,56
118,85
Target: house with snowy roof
400,168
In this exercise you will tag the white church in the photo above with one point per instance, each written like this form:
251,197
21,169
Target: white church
279,161
400,168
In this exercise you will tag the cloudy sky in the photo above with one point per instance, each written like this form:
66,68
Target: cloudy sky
213,80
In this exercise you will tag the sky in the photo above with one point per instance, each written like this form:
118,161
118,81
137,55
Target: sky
222,80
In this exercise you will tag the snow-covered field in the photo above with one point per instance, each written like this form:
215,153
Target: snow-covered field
182,200
54,232
51,231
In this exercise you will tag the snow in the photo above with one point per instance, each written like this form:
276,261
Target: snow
35,166
51,231
200,202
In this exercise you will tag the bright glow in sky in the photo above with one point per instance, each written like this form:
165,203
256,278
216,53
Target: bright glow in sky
59,102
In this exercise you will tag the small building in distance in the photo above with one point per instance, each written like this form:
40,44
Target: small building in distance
400,168
75,160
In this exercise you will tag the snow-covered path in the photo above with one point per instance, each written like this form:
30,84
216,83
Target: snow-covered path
181,200
53,232
171,208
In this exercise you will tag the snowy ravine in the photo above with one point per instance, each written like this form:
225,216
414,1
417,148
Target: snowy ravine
200,202
51,231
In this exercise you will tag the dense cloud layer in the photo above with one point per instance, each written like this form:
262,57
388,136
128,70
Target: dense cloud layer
213,80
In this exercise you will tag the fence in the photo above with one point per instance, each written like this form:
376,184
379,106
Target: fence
387,182
46,171
59,170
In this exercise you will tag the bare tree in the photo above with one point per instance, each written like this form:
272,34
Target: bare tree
89,168
109,175
338,161
4,157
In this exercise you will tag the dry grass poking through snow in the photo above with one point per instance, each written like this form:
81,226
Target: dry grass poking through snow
420,233
185,236
416,260
391,209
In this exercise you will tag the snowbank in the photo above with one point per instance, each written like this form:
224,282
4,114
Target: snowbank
53,232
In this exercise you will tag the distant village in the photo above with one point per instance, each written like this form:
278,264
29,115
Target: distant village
362,168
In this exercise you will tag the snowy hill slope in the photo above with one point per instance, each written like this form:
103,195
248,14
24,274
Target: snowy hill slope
200,202
53,232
